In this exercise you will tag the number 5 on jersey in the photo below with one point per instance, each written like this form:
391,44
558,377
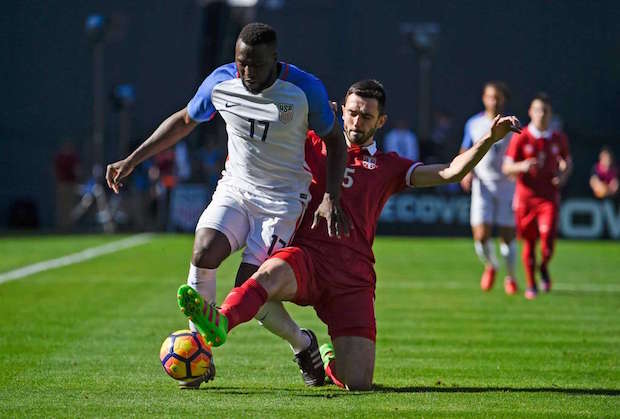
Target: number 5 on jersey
347,181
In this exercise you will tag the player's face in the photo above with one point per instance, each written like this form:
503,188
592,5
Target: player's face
361,119
540,114
605,158
257,65
493,100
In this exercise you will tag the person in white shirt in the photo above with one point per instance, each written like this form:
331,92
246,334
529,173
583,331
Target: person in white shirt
491,192
402,141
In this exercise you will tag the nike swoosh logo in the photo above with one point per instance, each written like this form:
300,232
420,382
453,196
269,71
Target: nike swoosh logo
230,105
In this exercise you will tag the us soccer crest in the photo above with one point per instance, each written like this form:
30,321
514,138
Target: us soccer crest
285,112
369,162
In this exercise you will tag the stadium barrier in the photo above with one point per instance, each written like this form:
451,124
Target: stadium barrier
428,214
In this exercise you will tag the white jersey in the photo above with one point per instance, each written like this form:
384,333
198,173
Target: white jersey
266,131
489,169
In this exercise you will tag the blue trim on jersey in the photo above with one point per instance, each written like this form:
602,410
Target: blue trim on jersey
468,142
200,108
320,115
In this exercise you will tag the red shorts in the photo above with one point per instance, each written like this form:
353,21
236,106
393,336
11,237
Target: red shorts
347,311
536,218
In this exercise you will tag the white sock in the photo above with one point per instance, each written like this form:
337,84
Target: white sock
274,317
509,252
203,281
486,252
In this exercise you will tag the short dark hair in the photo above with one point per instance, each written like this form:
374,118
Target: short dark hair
257,33
500,86
369,89
543,97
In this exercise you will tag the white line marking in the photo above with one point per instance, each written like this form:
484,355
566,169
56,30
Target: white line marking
463,286
86,254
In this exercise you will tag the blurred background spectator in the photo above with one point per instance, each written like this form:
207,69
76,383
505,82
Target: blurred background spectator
402,141
66,170
212,159
443,135
604,179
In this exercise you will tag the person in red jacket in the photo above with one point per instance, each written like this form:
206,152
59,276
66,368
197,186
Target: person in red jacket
540,160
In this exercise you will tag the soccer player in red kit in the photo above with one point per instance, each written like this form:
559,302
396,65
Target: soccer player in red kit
333,275
540,160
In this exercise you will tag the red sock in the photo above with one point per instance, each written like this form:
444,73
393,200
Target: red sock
529,262
546,248
242,303
329,371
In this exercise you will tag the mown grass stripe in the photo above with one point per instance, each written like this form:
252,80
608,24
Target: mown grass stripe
78,257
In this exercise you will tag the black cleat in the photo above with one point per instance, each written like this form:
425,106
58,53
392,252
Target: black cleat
195,383
310,363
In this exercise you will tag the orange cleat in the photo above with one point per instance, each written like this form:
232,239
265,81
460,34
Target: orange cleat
510,285
488,278
531,293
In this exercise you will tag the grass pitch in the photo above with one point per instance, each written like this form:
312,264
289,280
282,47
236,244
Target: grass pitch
83,340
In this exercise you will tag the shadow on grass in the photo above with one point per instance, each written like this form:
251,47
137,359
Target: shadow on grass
330,392
457,389
326,392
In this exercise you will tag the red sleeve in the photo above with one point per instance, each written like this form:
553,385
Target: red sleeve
514,148
564,148
399,168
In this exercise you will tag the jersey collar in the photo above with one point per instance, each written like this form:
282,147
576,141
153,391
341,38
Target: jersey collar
370,148
537,133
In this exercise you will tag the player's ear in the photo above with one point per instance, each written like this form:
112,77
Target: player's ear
274,53
382,120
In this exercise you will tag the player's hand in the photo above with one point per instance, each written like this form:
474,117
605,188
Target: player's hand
337,221
467,181
117,171
502,125
527,164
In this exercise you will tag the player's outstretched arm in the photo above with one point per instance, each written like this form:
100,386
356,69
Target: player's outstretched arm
330,209
438,174
170,131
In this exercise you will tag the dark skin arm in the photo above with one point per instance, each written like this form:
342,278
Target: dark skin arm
170,131
330,209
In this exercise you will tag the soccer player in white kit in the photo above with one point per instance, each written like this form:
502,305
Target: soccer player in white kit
268,107
491,192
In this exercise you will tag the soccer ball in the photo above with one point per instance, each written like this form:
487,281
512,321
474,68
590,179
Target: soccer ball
185,355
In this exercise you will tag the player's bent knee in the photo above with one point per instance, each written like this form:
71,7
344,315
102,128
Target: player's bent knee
358,379
481,232
278,279
361,385
206,258
210,249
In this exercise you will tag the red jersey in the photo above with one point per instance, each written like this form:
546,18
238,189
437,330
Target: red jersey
536,183
370,178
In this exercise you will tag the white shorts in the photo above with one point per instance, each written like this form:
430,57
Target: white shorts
492,206
244,220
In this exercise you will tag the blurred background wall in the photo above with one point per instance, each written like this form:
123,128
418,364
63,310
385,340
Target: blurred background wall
570,49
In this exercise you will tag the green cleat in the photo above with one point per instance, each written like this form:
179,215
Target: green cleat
209,322
327,353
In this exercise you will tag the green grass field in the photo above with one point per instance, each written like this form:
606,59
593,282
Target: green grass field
83,340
